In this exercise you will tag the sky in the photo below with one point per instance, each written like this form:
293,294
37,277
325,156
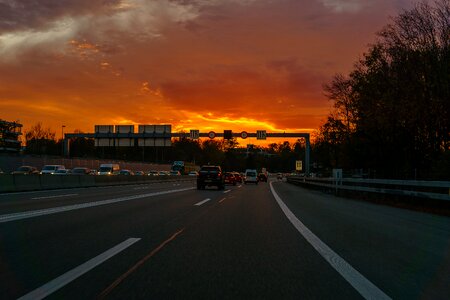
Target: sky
243,65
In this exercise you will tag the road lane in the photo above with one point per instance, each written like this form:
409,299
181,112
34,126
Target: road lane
59,282
35,251
404,253
13,203
366,288
236,245
61,209
244,248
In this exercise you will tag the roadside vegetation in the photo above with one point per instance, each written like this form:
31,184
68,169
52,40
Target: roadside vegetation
392,111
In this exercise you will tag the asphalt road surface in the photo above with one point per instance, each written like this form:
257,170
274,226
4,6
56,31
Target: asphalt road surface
169,240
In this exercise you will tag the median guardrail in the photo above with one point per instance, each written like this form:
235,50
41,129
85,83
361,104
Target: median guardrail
437,190
22,183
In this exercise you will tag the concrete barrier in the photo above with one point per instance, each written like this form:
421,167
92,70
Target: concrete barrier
7,183
70,181
102,180
26,182
49,182
21,183
86,180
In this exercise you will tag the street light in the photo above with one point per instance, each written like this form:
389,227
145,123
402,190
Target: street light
62,139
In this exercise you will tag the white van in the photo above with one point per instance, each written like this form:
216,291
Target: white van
251,176
109,169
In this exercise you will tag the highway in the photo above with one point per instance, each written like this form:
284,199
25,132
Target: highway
168,240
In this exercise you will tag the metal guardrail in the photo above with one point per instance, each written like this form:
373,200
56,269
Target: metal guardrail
438,190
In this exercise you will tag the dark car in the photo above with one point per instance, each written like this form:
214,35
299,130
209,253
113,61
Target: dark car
25,170
81,171
62,172
238,177
126,172
230,178
262,177
210,176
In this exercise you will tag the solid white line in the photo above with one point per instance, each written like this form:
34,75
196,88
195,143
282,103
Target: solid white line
201,202
366,288
55,196
59,282
227,191
54,210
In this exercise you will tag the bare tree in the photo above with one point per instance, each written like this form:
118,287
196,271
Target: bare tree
39,132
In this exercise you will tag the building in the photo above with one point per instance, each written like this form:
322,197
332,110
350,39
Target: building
9,136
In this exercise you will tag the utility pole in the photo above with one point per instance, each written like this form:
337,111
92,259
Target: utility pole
62,139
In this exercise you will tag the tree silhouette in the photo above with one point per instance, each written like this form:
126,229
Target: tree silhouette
392,112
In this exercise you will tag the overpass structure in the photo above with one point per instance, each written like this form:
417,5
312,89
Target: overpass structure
139,139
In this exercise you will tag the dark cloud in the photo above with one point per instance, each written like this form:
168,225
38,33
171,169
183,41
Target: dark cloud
36,14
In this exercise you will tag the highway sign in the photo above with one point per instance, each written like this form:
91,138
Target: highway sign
227,134
261,135
244,134
298,165
194,134
211,134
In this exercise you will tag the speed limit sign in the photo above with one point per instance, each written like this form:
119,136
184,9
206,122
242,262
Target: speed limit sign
211,134
244,134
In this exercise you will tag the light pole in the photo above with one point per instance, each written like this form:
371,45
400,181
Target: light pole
62,139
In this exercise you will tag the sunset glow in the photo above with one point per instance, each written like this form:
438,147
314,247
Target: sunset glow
208,65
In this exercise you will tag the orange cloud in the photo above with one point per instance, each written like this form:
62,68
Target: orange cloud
209,65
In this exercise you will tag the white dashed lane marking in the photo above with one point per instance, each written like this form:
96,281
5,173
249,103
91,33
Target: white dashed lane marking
54,196
59,282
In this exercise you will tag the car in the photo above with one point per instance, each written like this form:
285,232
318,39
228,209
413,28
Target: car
229,178
163,173
193,173
62,172
139,173
251,176
280,176
126,172
25,170
51,169
262,177
81,171
174,173
238,177
153,173
210,176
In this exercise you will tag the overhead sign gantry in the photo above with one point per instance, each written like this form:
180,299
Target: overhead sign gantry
160,136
